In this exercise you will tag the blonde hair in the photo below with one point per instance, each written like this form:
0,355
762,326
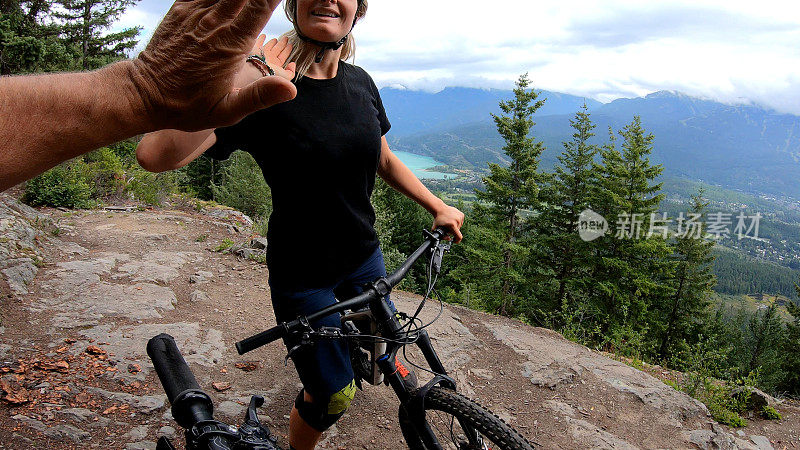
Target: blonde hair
303,52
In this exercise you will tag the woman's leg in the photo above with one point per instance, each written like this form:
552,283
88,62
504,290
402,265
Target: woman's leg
324,368
302,436
373,268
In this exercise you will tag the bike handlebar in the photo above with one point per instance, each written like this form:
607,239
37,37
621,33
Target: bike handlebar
283,329
172,370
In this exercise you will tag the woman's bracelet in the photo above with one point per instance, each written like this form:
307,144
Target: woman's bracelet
261,64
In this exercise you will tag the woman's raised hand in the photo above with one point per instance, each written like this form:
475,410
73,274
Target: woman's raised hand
275,52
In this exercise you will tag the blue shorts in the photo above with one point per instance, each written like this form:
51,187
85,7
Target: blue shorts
324,368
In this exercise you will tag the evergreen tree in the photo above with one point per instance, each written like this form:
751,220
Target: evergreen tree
201,174
790,348
630,267
399,224
478,261
85,25
686,308
763,338
29,42
242,186
560,249
511,190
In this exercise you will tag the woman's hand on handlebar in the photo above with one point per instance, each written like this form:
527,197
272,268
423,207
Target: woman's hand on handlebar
451,219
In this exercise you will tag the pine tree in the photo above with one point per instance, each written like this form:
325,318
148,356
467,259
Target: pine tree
763,339
29,42
399,224
85,25
511,190
790,349
630,268
686,308
560,248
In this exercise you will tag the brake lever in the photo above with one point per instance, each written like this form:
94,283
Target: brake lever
307,338
305,341
438,253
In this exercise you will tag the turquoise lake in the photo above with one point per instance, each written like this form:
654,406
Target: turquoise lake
418,164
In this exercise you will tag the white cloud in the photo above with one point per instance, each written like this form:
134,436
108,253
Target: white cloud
729,50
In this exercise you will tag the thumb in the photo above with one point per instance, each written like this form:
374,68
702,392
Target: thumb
260,94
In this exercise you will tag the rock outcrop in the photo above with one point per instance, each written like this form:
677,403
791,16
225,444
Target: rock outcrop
106,285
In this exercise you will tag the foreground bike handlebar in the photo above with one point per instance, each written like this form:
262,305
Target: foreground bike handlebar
190,403
193,409
378,289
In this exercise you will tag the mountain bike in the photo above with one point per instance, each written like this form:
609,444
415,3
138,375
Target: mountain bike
432,416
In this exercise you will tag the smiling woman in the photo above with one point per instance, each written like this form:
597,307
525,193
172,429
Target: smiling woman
320,154
327,25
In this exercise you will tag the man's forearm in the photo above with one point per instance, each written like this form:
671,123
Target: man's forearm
91,109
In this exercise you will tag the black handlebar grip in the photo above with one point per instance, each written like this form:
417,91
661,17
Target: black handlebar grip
263,338
172,370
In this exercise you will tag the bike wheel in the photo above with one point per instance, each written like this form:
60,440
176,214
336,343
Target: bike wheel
461,424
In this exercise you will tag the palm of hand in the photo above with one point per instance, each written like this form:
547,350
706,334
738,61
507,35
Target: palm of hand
275,52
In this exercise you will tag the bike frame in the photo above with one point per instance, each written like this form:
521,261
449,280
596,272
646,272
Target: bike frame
403,381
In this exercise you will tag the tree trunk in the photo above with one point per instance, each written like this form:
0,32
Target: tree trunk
663,348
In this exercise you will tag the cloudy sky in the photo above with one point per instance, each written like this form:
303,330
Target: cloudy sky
733,51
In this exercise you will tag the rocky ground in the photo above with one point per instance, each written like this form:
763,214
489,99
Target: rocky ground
83,291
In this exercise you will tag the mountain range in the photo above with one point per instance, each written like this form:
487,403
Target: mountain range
742,147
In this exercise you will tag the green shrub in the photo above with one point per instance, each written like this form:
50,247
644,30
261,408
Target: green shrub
63,185
224,245
151,188
770,413
103,171
242,186
261,226
259,258
724,407
726,416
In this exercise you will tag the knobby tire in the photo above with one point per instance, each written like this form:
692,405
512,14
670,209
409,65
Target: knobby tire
463,410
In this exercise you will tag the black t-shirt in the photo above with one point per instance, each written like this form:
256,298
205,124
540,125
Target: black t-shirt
319,154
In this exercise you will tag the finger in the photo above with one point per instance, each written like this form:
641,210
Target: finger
259,43
291,70
260,94
280,46
253,17
285,53
269,45
229,9
459,236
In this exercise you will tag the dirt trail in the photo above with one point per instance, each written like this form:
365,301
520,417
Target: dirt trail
72,348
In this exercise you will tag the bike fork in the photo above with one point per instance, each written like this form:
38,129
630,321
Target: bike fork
404,384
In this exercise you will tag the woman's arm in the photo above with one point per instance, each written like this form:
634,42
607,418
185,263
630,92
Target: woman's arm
172,149
400,177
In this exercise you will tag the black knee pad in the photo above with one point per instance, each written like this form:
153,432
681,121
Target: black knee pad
322,414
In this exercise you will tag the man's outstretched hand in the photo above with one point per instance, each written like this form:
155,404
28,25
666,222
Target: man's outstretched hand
184,78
